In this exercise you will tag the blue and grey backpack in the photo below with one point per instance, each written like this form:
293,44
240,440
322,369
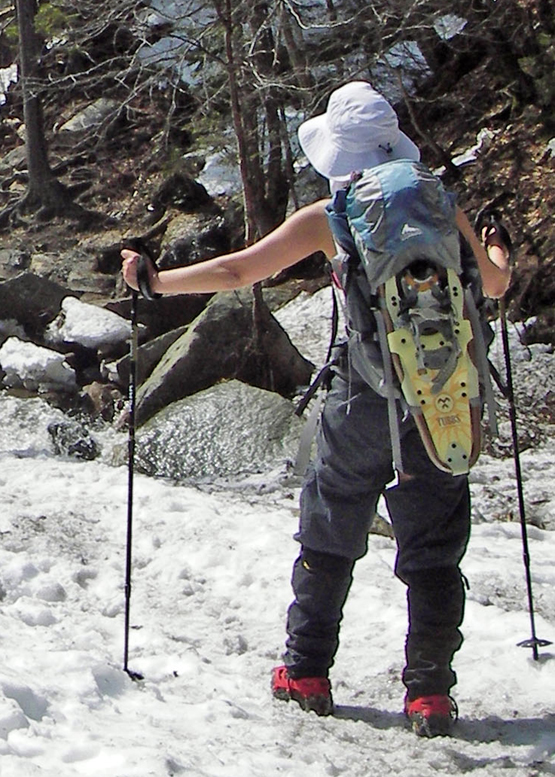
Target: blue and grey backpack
411,306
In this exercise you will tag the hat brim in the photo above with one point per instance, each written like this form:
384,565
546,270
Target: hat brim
332,162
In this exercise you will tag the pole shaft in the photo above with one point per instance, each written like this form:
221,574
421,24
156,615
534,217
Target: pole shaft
130,474
518,473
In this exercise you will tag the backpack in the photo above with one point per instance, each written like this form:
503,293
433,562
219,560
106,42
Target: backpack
411,301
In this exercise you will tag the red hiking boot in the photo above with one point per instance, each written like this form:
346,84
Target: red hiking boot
312,693
431,716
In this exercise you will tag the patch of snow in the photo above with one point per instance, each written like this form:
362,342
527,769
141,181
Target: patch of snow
35,368
89,325
8,75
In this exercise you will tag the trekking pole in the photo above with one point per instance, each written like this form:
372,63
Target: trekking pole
130,473
534,642
146,291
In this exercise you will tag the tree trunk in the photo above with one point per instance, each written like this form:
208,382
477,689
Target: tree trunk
45,192
295,51
224,11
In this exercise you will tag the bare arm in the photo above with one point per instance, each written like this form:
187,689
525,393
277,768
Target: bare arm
302,234
493,261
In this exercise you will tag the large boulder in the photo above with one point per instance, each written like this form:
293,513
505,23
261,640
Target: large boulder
147,358
165,314
32,301
228,430
179,191
221,344
192,238
75,270
91,116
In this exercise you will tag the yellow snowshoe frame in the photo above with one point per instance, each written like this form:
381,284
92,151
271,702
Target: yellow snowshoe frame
448,419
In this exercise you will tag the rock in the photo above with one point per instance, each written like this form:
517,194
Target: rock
228,430
180,191
105,248
76,270
70,438
308,321
13,261
91,116
13,160
148,356
32,301
194,238
220,174
10,328
382,527
35,368
165,314
218,345
104,400
541,328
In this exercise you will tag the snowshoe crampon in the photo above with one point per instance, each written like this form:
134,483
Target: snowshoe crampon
430,341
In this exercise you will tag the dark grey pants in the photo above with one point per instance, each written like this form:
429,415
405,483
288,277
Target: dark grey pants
430,512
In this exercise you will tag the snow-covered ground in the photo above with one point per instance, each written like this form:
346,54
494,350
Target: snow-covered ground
209,597
210,591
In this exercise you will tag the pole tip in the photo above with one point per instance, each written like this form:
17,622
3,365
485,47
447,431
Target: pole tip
135,676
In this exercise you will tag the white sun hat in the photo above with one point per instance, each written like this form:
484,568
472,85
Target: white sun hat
359,129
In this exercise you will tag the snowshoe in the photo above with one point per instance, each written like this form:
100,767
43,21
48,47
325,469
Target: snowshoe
431,343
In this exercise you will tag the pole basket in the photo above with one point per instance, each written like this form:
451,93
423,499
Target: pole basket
535,642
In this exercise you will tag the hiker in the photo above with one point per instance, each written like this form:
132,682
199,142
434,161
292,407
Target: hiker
429,508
